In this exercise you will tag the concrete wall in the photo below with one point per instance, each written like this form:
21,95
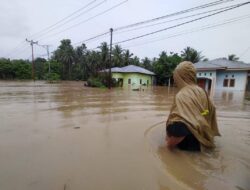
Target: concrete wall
239,76
135,78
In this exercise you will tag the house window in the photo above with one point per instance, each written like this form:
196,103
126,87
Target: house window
226,76
210,74
233,76
140,81
129,81
225,83
205,74
199,74
232,83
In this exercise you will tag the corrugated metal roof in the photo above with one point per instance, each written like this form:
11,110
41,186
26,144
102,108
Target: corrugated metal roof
221,63
131,69
116,69
136,69
207,65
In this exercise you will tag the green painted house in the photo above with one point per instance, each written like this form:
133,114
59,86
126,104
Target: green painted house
132,75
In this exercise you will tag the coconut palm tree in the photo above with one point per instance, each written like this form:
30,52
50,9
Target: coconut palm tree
79,69
233,57
127,57
117,56
104,54
147,64
65,55
190,54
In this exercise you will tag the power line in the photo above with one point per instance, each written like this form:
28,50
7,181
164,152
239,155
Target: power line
206,27
174,14
244,52
181,18
99,14
63,19
203,28
20,51
51,26
15,48
47,49
92,38
147,21
67,21
184,23
135,24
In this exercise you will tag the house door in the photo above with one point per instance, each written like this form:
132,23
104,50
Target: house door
120,82
248,84
209,85
201,83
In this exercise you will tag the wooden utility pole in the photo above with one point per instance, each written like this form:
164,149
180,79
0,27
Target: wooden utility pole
33,63
110,57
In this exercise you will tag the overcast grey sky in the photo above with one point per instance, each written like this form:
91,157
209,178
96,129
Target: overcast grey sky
22,19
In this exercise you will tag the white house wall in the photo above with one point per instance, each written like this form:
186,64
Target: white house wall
206,74
239,76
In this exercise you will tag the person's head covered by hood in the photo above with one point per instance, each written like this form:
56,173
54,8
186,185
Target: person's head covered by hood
192,116
185,74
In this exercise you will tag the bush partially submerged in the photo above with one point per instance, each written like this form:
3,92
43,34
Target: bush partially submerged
95,82
101,81
52,77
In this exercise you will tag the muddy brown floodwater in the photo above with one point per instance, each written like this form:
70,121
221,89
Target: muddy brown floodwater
69,137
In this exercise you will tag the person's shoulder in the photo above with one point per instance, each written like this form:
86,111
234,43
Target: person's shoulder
183,93
190,91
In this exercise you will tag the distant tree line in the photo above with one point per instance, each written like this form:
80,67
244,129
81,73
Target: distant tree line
80,63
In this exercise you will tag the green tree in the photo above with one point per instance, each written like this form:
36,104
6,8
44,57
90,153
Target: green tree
40,68
93,63
104,54
55,68
6,69
22,69
117,58
164,66
190,54
65,55
79,68
127,57
233,57
147,64
135,61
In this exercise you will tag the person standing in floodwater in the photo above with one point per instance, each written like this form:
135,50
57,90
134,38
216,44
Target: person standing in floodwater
192,122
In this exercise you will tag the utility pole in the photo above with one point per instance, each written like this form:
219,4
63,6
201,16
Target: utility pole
47,49
33,63
110,57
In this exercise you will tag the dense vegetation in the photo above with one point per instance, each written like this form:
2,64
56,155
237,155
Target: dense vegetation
69,63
